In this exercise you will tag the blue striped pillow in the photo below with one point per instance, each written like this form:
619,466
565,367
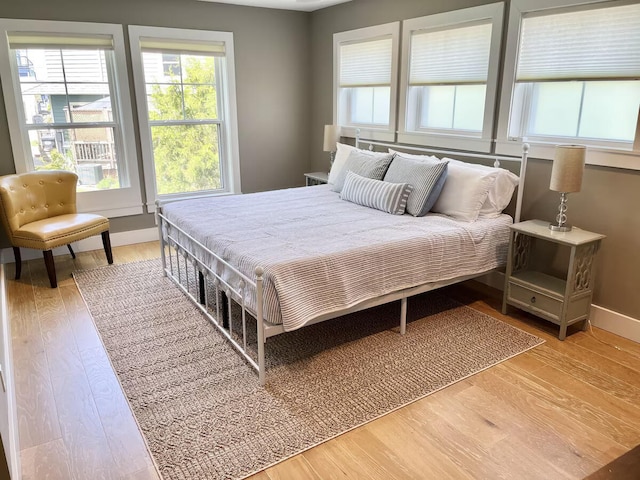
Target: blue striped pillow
427,176
385,196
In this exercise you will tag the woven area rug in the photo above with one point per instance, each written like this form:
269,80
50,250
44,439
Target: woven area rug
200,407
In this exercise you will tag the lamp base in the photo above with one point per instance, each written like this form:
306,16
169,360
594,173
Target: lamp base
560,228
561,218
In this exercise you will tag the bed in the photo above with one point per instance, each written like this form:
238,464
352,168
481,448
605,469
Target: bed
298,256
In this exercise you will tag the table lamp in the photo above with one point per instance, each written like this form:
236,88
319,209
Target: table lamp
566,177
330,140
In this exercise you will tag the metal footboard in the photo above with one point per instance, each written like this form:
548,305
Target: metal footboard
196,279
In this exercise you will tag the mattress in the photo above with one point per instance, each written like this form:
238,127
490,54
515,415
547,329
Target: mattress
321,254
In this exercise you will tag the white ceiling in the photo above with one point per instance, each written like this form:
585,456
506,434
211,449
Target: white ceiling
303,5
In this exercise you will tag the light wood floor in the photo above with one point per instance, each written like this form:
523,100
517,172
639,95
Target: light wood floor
561,410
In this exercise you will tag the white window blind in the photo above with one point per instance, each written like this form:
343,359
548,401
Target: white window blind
187,47
602,43
366,64
453,56
26,41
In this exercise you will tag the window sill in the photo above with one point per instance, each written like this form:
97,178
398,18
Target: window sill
368,133
605,157
456,142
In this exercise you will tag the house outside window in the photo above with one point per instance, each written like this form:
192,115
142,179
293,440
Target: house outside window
365,66
186,102
66,111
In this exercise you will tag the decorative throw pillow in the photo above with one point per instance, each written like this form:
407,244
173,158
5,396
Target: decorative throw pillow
427,177
465,191
385,196
367,164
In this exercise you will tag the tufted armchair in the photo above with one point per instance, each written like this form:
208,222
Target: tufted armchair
39,211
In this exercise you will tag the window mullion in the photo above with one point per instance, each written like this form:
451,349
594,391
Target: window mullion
56,126
453,112
184,108
584,86
66,87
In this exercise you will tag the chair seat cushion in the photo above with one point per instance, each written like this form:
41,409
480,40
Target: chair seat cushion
60,230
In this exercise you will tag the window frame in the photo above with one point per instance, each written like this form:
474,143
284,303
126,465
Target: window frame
392,29
458,139
227,121
110,202
603,152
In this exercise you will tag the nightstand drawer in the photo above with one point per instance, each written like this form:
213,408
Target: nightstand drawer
535,300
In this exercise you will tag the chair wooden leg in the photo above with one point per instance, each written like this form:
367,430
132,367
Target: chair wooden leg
18,257
51,268
73,255
106,242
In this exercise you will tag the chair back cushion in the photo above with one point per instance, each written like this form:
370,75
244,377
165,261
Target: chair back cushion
29,197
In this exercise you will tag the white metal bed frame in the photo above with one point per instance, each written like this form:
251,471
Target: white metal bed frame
220,315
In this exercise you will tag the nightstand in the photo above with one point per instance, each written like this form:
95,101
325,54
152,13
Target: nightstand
562,299
316,178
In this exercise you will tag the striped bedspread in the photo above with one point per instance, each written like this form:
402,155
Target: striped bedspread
322,254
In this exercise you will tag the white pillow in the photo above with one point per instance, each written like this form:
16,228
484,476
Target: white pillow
500,192
465,191
342,153
414,157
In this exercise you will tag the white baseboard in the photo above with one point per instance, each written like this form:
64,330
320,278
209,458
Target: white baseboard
91,243
614,322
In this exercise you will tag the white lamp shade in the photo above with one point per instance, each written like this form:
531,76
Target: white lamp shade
568,167
330,138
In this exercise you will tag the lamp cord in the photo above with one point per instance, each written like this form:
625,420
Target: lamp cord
620,349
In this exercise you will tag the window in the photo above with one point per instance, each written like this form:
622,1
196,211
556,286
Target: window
573,78
186,101
449,75
364,82
66,108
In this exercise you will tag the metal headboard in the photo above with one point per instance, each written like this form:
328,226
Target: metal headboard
438,152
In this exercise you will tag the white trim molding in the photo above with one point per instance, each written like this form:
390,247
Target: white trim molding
374,132
12,443
600,152
115,202
482,141
226,91
614,322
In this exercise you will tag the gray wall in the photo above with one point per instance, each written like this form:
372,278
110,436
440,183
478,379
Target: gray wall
608,202
272,78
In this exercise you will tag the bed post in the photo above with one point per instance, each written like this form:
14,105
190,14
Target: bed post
403,315
161,238
523,174
260,325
